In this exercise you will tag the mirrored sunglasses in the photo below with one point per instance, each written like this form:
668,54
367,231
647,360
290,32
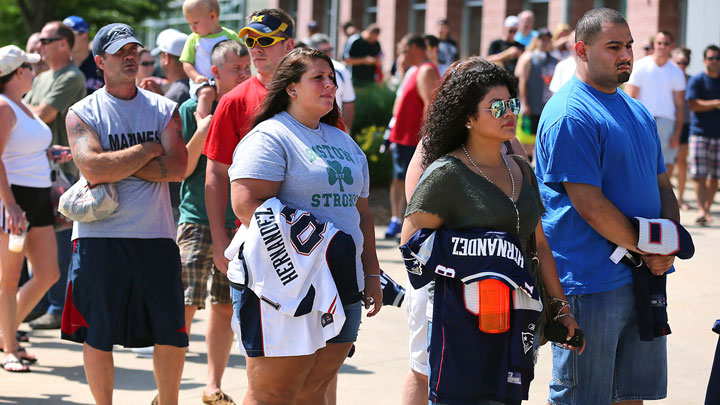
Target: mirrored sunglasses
263,41
497,108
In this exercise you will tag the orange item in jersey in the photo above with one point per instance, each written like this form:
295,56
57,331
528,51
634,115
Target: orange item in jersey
494,308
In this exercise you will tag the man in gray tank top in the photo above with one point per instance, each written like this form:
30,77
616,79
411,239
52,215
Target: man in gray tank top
124,283
534,70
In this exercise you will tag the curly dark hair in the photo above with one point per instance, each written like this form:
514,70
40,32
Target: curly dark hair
464,85
290,70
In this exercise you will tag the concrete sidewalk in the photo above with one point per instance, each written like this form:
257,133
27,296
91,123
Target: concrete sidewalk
374,375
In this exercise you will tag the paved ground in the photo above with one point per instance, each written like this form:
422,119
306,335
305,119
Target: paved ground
375,373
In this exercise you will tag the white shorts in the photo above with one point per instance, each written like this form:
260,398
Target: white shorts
417,301
665,128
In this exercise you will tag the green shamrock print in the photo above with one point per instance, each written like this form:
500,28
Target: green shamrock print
338,174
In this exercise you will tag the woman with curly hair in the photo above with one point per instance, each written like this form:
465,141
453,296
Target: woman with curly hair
469,182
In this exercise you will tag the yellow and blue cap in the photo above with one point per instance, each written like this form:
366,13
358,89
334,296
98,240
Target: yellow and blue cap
264,24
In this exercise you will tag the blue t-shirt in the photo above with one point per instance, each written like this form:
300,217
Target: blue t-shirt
525,40
703,87
604,140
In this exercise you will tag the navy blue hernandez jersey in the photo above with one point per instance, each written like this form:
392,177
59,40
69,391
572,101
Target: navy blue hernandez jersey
467,364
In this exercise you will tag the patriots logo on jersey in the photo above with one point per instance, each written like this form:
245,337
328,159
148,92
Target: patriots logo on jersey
528,339
412,265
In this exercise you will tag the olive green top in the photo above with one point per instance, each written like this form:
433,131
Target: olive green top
464,199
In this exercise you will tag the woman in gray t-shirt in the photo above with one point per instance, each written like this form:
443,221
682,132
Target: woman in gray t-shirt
296,153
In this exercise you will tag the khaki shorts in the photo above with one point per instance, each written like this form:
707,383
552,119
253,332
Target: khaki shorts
195,243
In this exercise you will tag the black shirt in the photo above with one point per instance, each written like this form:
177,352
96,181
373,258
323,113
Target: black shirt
500,45
92,80
363,74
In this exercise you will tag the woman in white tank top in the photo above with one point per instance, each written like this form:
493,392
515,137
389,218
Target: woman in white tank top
25,195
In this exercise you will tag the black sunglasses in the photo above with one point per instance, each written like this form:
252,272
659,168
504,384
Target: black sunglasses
150,63
46,41
647,48
713,58
683,63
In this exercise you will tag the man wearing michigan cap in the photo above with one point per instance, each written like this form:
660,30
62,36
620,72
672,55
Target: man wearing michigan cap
268,36
124,284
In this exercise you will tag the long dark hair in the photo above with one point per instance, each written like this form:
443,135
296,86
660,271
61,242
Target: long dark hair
464,85
290,70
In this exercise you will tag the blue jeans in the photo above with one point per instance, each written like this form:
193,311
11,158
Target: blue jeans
55,296
616,365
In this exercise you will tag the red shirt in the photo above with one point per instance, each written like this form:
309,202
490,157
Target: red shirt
408,119
233,119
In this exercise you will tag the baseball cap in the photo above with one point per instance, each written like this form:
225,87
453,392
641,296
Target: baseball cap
76,24
170,41
265,24
544,32
511,21
11,57
112,37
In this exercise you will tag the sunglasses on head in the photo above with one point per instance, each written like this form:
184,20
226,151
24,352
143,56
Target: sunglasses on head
263,41
148,63
497,108
46,41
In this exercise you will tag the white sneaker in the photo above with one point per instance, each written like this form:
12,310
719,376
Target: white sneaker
144,352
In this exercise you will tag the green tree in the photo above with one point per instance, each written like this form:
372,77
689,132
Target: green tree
20,18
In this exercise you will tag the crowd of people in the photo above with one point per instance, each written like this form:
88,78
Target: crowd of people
249,189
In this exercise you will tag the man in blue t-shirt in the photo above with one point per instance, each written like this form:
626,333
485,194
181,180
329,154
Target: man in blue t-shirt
599,162
703,96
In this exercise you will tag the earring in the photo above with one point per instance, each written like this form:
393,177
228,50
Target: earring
468,126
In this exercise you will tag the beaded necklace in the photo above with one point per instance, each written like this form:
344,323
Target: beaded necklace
512,181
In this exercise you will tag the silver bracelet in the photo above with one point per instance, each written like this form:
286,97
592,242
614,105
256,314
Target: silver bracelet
372,275
558,316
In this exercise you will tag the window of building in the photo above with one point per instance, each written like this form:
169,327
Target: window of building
540,9
371,10
417,16
619,5
471,28
330,20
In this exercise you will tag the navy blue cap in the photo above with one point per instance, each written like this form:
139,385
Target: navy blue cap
112,37
76,24
265,24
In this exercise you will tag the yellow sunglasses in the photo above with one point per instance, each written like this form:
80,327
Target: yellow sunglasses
263,41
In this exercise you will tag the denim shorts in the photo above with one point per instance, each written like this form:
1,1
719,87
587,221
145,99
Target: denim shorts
616,365
349,331
401,157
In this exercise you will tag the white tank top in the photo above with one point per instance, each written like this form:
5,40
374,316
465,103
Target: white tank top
24,157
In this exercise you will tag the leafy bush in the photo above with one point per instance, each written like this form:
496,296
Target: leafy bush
373,110
373,106
379,164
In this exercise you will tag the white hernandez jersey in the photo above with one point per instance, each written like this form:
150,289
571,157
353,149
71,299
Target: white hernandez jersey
295,265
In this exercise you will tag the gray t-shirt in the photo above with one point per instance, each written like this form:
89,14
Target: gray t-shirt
144,210
323,171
